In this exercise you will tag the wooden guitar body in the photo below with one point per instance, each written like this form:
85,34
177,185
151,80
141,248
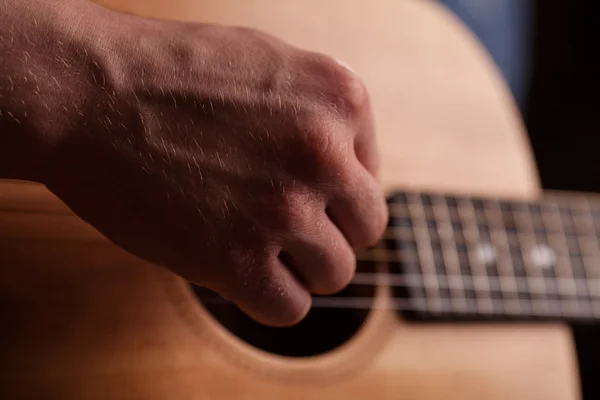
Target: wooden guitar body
82,319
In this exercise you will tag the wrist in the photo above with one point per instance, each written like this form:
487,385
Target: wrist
45,81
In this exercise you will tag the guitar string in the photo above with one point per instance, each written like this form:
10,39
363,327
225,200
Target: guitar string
456,281
420,304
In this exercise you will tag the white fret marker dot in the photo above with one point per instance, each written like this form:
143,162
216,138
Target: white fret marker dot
486,253
543,256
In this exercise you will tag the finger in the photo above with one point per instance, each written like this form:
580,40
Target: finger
359,208
321,257
268,293
365,143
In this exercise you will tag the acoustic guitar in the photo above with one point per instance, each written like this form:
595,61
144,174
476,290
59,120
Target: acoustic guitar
467,296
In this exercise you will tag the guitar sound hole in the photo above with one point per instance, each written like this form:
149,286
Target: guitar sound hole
323,329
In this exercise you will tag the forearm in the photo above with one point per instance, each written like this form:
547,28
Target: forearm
43,82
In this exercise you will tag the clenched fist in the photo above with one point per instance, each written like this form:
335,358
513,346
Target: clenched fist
243,164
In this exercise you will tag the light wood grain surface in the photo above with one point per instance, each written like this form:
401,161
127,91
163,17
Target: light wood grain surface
85,320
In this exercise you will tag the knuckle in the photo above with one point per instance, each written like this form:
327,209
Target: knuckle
325,149
320,140
349,91
344,90
295,208
260,255
376,226
241,264
353,94
292,204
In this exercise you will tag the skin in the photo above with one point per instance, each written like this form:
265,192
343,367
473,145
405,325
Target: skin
239,162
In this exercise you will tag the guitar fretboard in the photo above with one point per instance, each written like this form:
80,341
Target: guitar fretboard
475,257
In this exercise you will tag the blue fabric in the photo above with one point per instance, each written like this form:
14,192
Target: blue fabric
505,29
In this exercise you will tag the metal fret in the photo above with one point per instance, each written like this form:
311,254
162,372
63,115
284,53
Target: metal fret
425,249
525,232
504,261
451,261
577,252
479,255
400,238
563,268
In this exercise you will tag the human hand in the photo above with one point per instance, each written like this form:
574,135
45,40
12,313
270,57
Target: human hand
243,164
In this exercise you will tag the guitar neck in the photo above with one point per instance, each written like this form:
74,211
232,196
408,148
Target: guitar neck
478,258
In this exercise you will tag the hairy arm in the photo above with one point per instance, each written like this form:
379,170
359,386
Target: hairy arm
239,162
43,82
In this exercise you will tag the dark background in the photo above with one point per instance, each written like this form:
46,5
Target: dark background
546,50
562,115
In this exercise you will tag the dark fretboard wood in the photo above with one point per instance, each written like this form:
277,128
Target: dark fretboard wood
486,258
